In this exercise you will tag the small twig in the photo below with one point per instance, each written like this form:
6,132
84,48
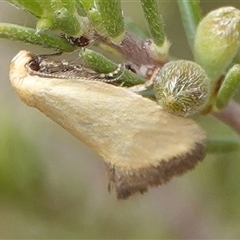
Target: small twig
230,115
133,49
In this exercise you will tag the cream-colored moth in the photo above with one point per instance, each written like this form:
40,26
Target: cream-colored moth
141,145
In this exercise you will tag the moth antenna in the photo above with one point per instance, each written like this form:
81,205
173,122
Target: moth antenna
111,75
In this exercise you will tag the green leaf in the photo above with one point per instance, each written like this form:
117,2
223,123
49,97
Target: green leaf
158,48
97,22
111,13
70,5
30,6
85,5
30,35
228,87
154,20
101,64
67,22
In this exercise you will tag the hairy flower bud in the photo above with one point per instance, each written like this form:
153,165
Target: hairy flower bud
217,41
182,87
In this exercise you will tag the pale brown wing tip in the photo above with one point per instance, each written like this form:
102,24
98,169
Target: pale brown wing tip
128,182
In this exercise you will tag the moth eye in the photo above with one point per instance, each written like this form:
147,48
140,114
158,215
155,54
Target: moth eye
34,65
181,87
81,41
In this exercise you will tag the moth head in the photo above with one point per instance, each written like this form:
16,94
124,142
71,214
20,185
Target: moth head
18,65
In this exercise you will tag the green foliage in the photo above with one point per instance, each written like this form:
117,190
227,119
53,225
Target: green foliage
29,35
211,200
217,43
154,20
111,14
20,169
228,87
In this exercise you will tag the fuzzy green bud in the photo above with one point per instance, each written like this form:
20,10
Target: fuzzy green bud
217,41
181,87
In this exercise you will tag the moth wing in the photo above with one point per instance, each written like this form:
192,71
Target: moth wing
141,145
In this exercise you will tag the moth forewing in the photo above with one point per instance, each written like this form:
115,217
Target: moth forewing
141,145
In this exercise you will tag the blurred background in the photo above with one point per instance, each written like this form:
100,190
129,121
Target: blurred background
53,186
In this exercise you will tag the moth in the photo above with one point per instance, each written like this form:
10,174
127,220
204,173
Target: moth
81,41
141,145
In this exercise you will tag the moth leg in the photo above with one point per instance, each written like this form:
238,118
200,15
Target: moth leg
112,76
43,56
142,87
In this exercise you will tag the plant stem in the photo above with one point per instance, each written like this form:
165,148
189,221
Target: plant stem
223,145
191,15
230,115
132,49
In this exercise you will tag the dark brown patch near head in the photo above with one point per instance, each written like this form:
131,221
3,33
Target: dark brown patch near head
127,182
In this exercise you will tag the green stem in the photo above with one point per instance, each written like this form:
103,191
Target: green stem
134,28
191,15
223,145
